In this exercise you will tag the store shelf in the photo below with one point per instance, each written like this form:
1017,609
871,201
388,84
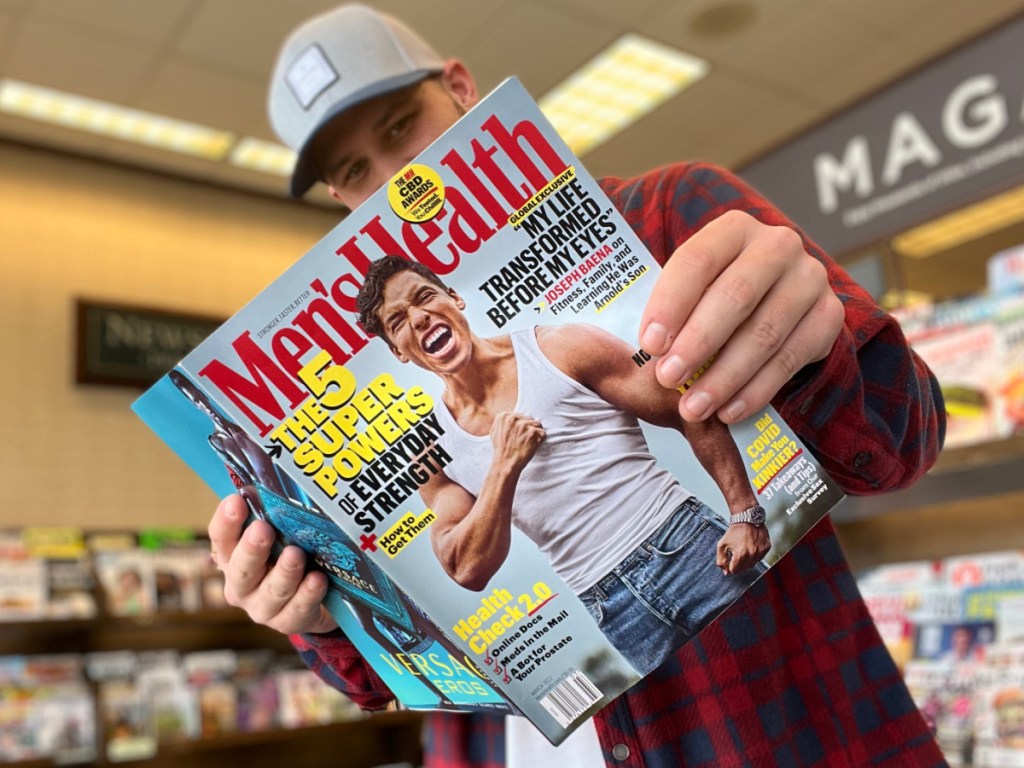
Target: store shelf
204,630
972,501
378,739
372,740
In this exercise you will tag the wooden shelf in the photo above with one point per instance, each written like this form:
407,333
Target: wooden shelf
971,501
205,630
377,739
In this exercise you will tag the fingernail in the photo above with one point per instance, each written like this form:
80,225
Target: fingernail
654,338
672,370
698,404
254,537
734,410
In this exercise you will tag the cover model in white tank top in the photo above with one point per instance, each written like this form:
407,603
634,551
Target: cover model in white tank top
592,492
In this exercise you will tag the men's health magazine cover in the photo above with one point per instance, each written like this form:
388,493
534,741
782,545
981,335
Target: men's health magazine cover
443,403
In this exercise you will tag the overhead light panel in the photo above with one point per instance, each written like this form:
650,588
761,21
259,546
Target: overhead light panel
962,226
616,88
264,156
113,121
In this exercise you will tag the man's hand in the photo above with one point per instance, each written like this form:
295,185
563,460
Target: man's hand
742,546
515,438
281,595
749,294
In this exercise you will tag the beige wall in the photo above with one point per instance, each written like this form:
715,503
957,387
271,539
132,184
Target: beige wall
74,454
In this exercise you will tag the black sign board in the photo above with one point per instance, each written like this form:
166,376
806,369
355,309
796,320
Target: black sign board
133,346
945,136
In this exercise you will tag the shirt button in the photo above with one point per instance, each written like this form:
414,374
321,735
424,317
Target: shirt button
620,752
805,406
862,459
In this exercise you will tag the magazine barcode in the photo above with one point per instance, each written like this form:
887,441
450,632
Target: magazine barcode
571,698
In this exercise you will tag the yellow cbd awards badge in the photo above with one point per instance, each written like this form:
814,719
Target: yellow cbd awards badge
416,193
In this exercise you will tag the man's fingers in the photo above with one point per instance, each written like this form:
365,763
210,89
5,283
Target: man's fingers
249,562
809,341
225,528
304,611
726,309
763,346
686,275
265,592
724,553
748,296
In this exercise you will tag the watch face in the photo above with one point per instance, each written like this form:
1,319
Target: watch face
757,516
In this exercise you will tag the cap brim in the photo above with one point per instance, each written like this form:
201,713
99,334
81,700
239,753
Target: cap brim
304,176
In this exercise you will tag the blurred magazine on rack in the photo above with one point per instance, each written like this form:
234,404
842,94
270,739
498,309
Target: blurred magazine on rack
356,448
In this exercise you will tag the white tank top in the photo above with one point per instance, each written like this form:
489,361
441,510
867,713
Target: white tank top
592,491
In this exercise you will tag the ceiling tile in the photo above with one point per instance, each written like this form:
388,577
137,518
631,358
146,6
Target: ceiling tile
452,27
224,173
140,22
212,96
886,18
769,126
220,31
808,49
709,112
622,15
950,24
78,61
8,29
674,24
532,45
276,186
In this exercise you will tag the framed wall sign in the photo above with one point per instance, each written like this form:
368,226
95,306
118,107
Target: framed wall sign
133,346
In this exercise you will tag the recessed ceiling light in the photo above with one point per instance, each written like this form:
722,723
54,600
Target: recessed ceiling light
113,121
617,87
723,20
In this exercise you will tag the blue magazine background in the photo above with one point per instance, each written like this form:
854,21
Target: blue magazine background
186,430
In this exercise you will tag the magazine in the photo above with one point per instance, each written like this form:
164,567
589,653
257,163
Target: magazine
469,543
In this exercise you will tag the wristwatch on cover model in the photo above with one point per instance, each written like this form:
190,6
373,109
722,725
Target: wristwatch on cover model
754,516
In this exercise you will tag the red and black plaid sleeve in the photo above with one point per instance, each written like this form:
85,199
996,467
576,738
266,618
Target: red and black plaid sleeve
871,412
337,662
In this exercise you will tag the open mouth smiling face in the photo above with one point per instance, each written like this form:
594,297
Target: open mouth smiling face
437,340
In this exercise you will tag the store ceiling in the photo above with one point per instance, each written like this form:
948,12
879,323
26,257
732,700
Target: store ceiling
778,66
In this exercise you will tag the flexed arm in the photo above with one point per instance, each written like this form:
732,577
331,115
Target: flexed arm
604,363
473,534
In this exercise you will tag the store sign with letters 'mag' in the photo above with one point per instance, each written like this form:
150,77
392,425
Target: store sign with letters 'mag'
943,137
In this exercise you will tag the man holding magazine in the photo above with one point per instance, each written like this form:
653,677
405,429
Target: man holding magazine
794,672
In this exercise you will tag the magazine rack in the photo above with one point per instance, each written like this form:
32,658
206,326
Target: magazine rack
388,737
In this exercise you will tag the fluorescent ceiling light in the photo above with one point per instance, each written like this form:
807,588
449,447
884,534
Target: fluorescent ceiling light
264,156
904,298
616,88
962,226
111,120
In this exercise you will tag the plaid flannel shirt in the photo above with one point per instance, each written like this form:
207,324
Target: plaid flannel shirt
794,673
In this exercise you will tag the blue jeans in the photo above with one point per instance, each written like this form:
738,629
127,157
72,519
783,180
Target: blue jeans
667,589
